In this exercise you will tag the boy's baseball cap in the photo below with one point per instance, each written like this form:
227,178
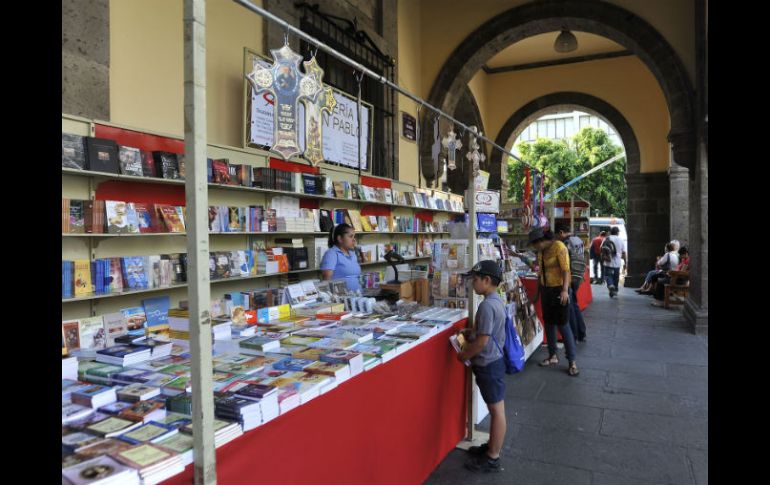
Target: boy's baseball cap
486,268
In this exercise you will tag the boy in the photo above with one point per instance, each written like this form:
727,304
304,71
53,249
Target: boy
484,349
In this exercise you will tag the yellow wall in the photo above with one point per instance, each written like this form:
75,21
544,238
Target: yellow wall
409,60
445,24
623,82
146,77
479,89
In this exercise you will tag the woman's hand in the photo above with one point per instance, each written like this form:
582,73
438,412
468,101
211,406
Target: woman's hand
564,297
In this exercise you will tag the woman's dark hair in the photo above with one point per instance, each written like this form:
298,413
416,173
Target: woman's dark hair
548,234
669,247
337,231
683,250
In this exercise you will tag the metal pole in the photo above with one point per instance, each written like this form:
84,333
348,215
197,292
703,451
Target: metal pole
196,195
471,294
264,13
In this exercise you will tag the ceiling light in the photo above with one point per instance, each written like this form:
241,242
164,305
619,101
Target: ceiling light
565,42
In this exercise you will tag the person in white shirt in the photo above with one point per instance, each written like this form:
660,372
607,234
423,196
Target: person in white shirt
668,261
612,267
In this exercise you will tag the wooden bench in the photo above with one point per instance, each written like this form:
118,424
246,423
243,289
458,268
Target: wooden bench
676,292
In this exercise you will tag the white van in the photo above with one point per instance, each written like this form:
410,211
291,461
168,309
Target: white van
599,224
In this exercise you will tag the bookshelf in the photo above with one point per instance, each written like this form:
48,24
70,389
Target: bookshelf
84,184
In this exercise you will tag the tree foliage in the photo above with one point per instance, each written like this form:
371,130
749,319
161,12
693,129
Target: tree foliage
563,160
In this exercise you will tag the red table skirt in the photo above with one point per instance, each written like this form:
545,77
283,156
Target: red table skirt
584,295
391,425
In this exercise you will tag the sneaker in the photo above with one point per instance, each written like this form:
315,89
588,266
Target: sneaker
613,291
479,450
484,464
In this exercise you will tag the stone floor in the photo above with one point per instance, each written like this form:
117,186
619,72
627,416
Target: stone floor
637,414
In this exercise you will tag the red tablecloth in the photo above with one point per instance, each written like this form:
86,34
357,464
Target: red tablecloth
391,425
584,294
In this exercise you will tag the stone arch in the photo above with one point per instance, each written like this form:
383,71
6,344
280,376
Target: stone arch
593,16
580,101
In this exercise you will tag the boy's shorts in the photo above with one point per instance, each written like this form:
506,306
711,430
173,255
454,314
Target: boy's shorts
491,381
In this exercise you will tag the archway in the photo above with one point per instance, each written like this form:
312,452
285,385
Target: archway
647,211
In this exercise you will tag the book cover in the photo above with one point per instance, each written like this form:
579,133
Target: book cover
135,319
77,223
102,155
102,469
110,426
116,213
73,151
292,364
166,164
71,330
134,273
222,264
148,432
148,164
92,334
132,220
181,165
220,171
170,217
156,313
144,456
104,447
130,161
146,217
82,278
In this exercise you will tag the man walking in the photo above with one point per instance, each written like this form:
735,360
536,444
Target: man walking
577,260
613,250
596,257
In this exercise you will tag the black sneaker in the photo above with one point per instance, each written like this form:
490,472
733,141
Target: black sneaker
484,464
479,450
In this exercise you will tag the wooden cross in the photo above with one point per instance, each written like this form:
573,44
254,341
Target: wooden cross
288,86
314,108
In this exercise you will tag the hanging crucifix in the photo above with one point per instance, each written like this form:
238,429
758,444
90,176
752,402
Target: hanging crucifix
315,107
452,144
473,155
288,86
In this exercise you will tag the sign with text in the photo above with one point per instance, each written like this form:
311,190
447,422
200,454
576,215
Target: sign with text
340,127
408,126
486,201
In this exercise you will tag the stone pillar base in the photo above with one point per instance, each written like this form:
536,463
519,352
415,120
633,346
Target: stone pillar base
697,318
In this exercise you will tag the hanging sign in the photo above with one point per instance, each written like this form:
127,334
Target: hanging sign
324,102
288,85
486,201
408,126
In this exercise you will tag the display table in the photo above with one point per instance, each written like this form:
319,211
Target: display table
584,295
392,424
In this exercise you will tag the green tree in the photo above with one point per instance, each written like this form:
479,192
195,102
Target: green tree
563,160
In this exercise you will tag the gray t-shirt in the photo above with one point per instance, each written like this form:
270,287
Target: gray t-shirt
490,320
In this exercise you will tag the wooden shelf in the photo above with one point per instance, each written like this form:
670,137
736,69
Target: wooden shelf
133,178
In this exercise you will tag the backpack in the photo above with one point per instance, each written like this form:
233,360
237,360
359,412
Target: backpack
608,250
577,259
513,349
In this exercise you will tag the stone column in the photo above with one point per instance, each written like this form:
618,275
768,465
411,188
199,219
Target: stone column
696,306
647,223
678,177
85,56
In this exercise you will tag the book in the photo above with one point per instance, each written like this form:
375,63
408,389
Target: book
76,219
172,219
95,396
146,217
134,273
292,364
100,470
73,151
112,426
150,432
353,359
166,164
130,159
458,342
220,171
92,334
156,313
116,213
82,278
147,457
137,392
71,331
102,155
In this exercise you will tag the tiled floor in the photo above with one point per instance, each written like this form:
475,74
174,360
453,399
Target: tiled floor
637,414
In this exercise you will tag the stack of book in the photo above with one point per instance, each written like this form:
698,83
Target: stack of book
180,443
245,411
138,392
153,462
102,470
94,395
124,355
224,431
69,368
266,395
149,432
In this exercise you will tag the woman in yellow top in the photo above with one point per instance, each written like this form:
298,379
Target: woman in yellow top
554,280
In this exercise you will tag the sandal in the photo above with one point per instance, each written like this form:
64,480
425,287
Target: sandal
552,360
573,370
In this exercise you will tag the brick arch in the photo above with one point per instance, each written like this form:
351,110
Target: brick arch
580,101
592,16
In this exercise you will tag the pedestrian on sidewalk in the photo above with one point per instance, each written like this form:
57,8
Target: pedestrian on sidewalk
485,351
554,279
596,257
613,251
577,264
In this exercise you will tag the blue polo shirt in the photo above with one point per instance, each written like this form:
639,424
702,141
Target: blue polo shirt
344,266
